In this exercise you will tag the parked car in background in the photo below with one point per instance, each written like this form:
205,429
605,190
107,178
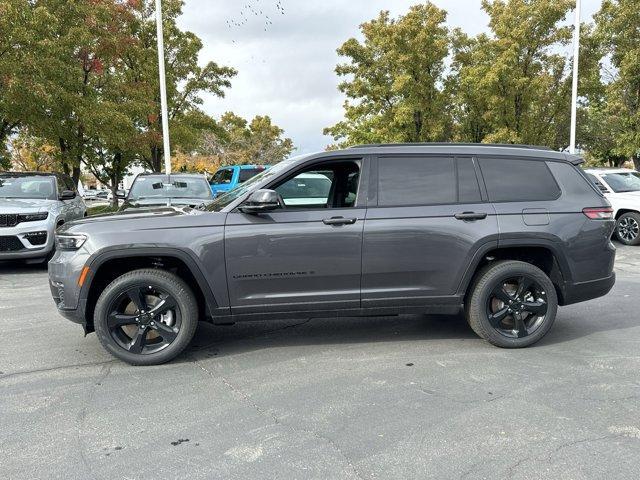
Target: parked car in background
621,186
32,206
227,178
155,189
507,233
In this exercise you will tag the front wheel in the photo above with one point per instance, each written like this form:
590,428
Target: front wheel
146,317
628,228
511,304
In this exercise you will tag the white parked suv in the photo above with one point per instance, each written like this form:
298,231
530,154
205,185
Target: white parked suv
621,186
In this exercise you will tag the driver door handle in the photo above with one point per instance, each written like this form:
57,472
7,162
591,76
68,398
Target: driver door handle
339,221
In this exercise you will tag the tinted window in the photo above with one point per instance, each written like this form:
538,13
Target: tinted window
468,188
247,173
416,181
512,180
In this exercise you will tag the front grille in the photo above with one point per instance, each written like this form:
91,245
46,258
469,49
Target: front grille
10,244
8,219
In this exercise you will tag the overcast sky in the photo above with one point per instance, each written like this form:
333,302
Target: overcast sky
285,54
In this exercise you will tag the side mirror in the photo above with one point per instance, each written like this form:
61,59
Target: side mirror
67,195
121,194
262,200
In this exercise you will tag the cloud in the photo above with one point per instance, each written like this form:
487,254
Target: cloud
286,62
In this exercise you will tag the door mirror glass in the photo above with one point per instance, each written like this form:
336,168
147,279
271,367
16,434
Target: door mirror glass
262,200
67,195
121,194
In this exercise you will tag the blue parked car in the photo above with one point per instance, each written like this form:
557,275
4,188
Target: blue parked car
229,177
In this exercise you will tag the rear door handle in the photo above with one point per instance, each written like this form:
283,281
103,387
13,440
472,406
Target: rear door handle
469,216
339,221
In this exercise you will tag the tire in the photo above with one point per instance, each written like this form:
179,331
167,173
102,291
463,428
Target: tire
628,228
146,317
498,314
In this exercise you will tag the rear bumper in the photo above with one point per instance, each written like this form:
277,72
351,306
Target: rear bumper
582,291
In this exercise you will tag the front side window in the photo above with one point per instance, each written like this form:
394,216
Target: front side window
28,186
331,185
623,181
515,180
247,173
416,181
223,176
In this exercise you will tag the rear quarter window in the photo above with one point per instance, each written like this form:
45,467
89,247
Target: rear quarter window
516,180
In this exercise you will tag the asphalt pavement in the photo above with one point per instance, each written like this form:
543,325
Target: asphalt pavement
411,397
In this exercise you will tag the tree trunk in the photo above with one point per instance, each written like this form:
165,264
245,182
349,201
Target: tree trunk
636,162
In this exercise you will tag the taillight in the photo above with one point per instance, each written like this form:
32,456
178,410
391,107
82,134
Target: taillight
598,213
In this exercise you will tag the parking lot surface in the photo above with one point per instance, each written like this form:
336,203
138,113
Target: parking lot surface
373,398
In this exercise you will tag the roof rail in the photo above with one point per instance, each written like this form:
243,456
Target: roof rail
450,144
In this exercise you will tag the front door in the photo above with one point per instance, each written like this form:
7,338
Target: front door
305,256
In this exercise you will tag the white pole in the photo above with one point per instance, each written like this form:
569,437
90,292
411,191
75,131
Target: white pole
163,91
574,86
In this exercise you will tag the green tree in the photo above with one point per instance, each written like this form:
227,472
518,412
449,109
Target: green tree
393,80
510,86
237,141
617,30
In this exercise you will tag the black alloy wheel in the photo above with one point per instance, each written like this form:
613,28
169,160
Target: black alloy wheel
146,317
628,228
517,306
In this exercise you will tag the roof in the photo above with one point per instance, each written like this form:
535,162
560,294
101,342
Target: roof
173,174
534,152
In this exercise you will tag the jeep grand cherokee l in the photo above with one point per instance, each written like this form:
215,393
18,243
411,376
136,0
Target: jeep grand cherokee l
508,233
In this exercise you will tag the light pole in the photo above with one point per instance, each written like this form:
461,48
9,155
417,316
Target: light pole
574,85
163,91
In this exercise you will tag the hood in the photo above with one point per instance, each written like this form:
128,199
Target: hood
20,205
134,214
628,196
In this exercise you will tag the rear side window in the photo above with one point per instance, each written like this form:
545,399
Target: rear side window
416,181
247,173
514,180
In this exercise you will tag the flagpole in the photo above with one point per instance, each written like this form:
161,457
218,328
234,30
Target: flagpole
574,85
163,90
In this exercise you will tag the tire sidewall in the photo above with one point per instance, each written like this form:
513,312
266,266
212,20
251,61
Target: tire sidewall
636,217
185,301
491,277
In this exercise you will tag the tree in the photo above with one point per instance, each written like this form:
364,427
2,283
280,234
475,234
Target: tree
32,154
393,80
510,86
186,81
617,29
237,141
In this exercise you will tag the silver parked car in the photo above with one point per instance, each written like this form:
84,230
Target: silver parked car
32,206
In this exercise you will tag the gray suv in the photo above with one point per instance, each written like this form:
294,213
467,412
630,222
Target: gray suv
507,233
32,206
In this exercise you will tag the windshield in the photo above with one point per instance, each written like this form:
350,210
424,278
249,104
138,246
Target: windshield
223,200
623,181
30,186
158,186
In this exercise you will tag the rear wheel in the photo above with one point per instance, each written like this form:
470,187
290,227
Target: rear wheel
511,304
628,228
146,317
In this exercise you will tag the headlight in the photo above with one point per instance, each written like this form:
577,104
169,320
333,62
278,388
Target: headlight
33,217
68,241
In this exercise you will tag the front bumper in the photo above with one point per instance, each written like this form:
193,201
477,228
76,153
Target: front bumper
24,240
64,272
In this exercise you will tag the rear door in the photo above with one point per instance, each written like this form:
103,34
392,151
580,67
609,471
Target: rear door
426,220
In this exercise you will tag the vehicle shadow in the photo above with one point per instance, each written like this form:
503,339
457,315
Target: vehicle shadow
17,267
216,340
